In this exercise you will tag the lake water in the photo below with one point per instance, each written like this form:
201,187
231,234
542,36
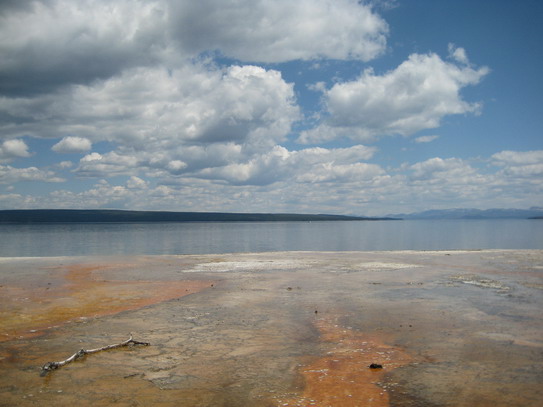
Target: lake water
217,237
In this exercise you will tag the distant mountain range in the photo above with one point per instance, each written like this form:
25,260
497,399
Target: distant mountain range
463,213
88,216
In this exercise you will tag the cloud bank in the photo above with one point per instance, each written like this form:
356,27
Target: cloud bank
186,105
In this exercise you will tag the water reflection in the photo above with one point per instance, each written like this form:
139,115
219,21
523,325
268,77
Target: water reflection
213,237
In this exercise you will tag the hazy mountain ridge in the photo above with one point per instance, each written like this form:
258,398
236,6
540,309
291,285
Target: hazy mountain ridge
470,213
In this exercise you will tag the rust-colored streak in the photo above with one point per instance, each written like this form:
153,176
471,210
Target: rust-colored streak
343,377
78,295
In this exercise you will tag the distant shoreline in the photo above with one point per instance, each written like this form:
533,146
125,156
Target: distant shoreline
43,216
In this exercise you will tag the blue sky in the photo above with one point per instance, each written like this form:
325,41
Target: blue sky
314,106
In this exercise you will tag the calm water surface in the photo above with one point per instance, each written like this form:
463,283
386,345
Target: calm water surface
216,237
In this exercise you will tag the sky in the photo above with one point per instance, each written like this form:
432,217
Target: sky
310,106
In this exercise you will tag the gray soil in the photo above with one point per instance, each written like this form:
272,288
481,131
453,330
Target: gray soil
470,321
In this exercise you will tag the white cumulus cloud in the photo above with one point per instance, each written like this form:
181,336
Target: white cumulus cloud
518,157
159,107
280,30
307,165
413,97
72,145
441,169
10,175
11,149
524,164
47,44
426,139
136,183
106,165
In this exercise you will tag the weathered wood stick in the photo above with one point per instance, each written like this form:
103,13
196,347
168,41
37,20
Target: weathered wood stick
50,366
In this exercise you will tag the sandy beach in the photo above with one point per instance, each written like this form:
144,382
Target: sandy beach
449,328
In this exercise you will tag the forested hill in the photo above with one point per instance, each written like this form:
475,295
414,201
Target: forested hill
88,216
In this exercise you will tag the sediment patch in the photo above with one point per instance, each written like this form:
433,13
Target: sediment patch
77,296
352,371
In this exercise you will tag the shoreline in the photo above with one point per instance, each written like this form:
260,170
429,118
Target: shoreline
241,253
272,328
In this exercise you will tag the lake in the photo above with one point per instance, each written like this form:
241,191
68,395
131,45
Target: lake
17,240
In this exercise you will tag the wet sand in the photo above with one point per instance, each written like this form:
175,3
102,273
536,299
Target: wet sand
457,328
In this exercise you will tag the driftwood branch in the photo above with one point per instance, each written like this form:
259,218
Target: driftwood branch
50,366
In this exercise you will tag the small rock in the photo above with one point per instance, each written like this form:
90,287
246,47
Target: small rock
376,366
